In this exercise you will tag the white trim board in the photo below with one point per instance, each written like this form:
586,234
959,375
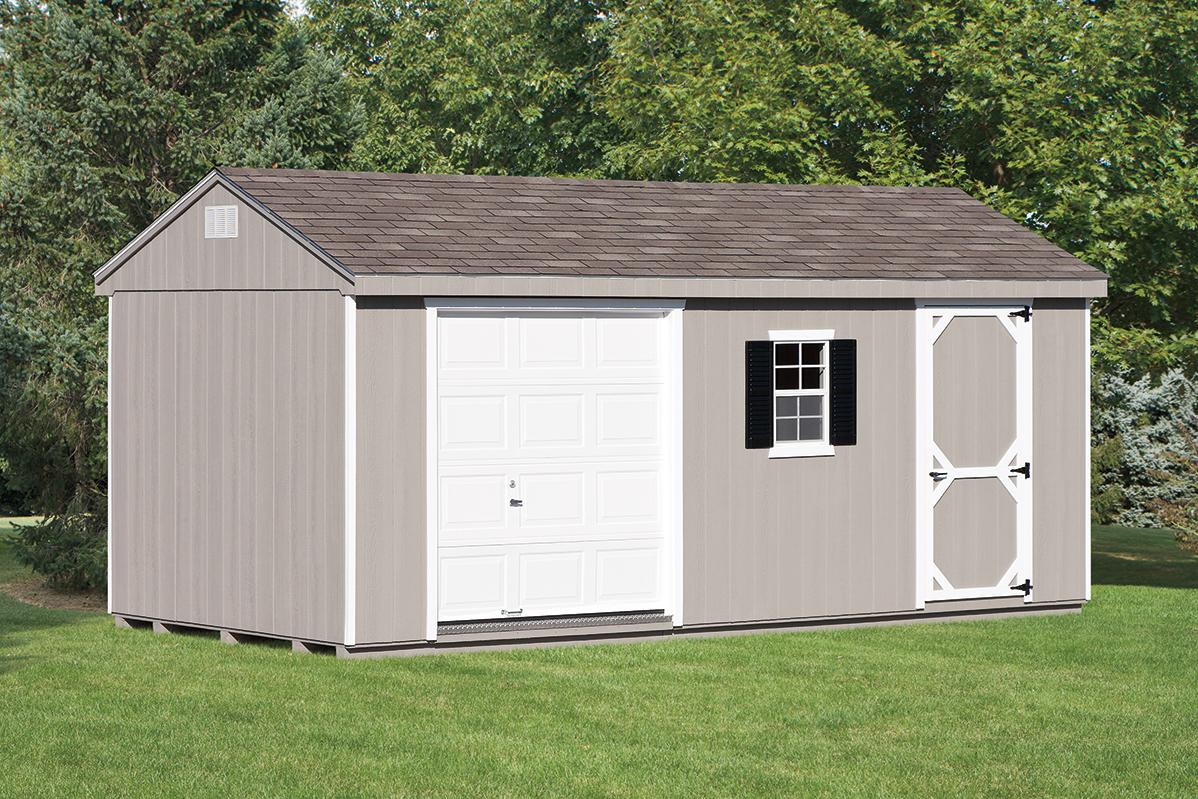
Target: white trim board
108,465
351,471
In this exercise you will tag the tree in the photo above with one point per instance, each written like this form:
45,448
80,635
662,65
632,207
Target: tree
462,86
110,110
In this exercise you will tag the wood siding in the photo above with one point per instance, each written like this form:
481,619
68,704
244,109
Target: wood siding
797,537
179,258
1060,448
391,471
227,460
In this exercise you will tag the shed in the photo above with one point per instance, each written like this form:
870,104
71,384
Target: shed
400,413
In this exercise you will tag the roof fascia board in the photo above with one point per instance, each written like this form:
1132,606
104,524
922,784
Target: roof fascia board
722,288
189,198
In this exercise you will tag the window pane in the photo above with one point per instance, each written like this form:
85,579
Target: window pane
812,377
788,430
813,354
810,429
789,406
786,379
810,406
786,354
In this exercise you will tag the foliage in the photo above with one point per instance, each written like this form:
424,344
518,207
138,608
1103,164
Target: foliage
1177,508
1141,429
109,111
461,86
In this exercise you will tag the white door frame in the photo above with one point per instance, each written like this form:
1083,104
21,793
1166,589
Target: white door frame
926,493
671,310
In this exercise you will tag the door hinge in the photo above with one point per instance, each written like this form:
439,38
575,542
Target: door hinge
1025,587
1025,470
1025,313
938,476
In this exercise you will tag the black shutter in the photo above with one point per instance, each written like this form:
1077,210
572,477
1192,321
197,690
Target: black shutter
759,394
842,406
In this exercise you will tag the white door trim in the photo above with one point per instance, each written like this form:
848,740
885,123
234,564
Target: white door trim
671,310
926,334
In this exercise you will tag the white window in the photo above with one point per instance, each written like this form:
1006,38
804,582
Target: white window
220,221
800,393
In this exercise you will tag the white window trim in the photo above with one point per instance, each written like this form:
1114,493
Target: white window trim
805,449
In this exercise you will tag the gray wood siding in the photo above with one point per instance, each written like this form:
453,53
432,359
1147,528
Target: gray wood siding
227,460
1060,447
179,258
391,524
797,537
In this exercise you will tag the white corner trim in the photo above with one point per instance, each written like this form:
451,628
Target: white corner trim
923,455
1086,508
108,464
802,335
351,471
431,427
801,449
676,457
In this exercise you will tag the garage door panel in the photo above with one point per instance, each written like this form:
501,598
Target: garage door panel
551,469
628,419
473,504
472,424
551,579
553,499
628,575
628,497
471,344
627,342
553,420
473,583
551,342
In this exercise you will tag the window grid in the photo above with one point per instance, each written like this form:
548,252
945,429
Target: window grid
800,392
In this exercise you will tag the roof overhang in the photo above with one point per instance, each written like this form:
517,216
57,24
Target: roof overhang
721,288
188,199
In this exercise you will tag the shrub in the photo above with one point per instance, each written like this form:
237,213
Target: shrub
1141,431
66,549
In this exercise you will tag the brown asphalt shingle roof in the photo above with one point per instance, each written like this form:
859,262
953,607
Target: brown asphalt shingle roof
377,223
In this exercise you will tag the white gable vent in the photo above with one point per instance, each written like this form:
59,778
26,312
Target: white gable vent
220,221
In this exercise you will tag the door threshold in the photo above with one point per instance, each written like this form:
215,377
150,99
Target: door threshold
449,628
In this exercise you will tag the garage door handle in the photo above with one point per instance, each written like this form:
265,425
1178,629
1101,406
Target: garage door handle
516,503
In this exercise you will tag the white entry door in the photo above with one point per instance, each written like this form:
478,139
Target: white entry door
551,467
975,470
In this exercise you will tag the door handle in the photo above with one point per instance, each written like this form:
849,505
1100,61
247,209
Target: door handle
515,503
938,476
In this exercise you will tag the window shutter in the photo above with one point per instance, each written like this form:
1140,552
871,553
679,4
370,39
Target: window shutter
759,394
842,395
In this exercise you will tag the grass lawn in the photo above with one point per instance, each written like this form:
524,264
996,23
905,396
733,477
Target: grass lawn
1099,704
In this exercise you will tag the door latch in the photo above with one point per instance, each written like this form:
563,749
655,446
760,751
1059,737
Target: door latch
1025,470
938,476
1025,314
516,503
516,612
1025,587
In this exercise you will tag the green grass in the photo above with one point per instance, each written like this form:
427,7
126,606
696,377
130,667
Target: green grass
1104,703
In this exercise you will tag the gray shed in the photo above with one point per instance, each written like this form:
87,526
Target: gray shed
398,413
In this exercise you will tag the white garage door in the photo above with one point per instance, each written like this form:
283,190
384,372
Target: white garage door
551,468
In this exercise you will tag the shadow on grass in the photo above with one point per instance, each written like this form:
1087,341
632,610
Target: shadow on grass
1127,556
